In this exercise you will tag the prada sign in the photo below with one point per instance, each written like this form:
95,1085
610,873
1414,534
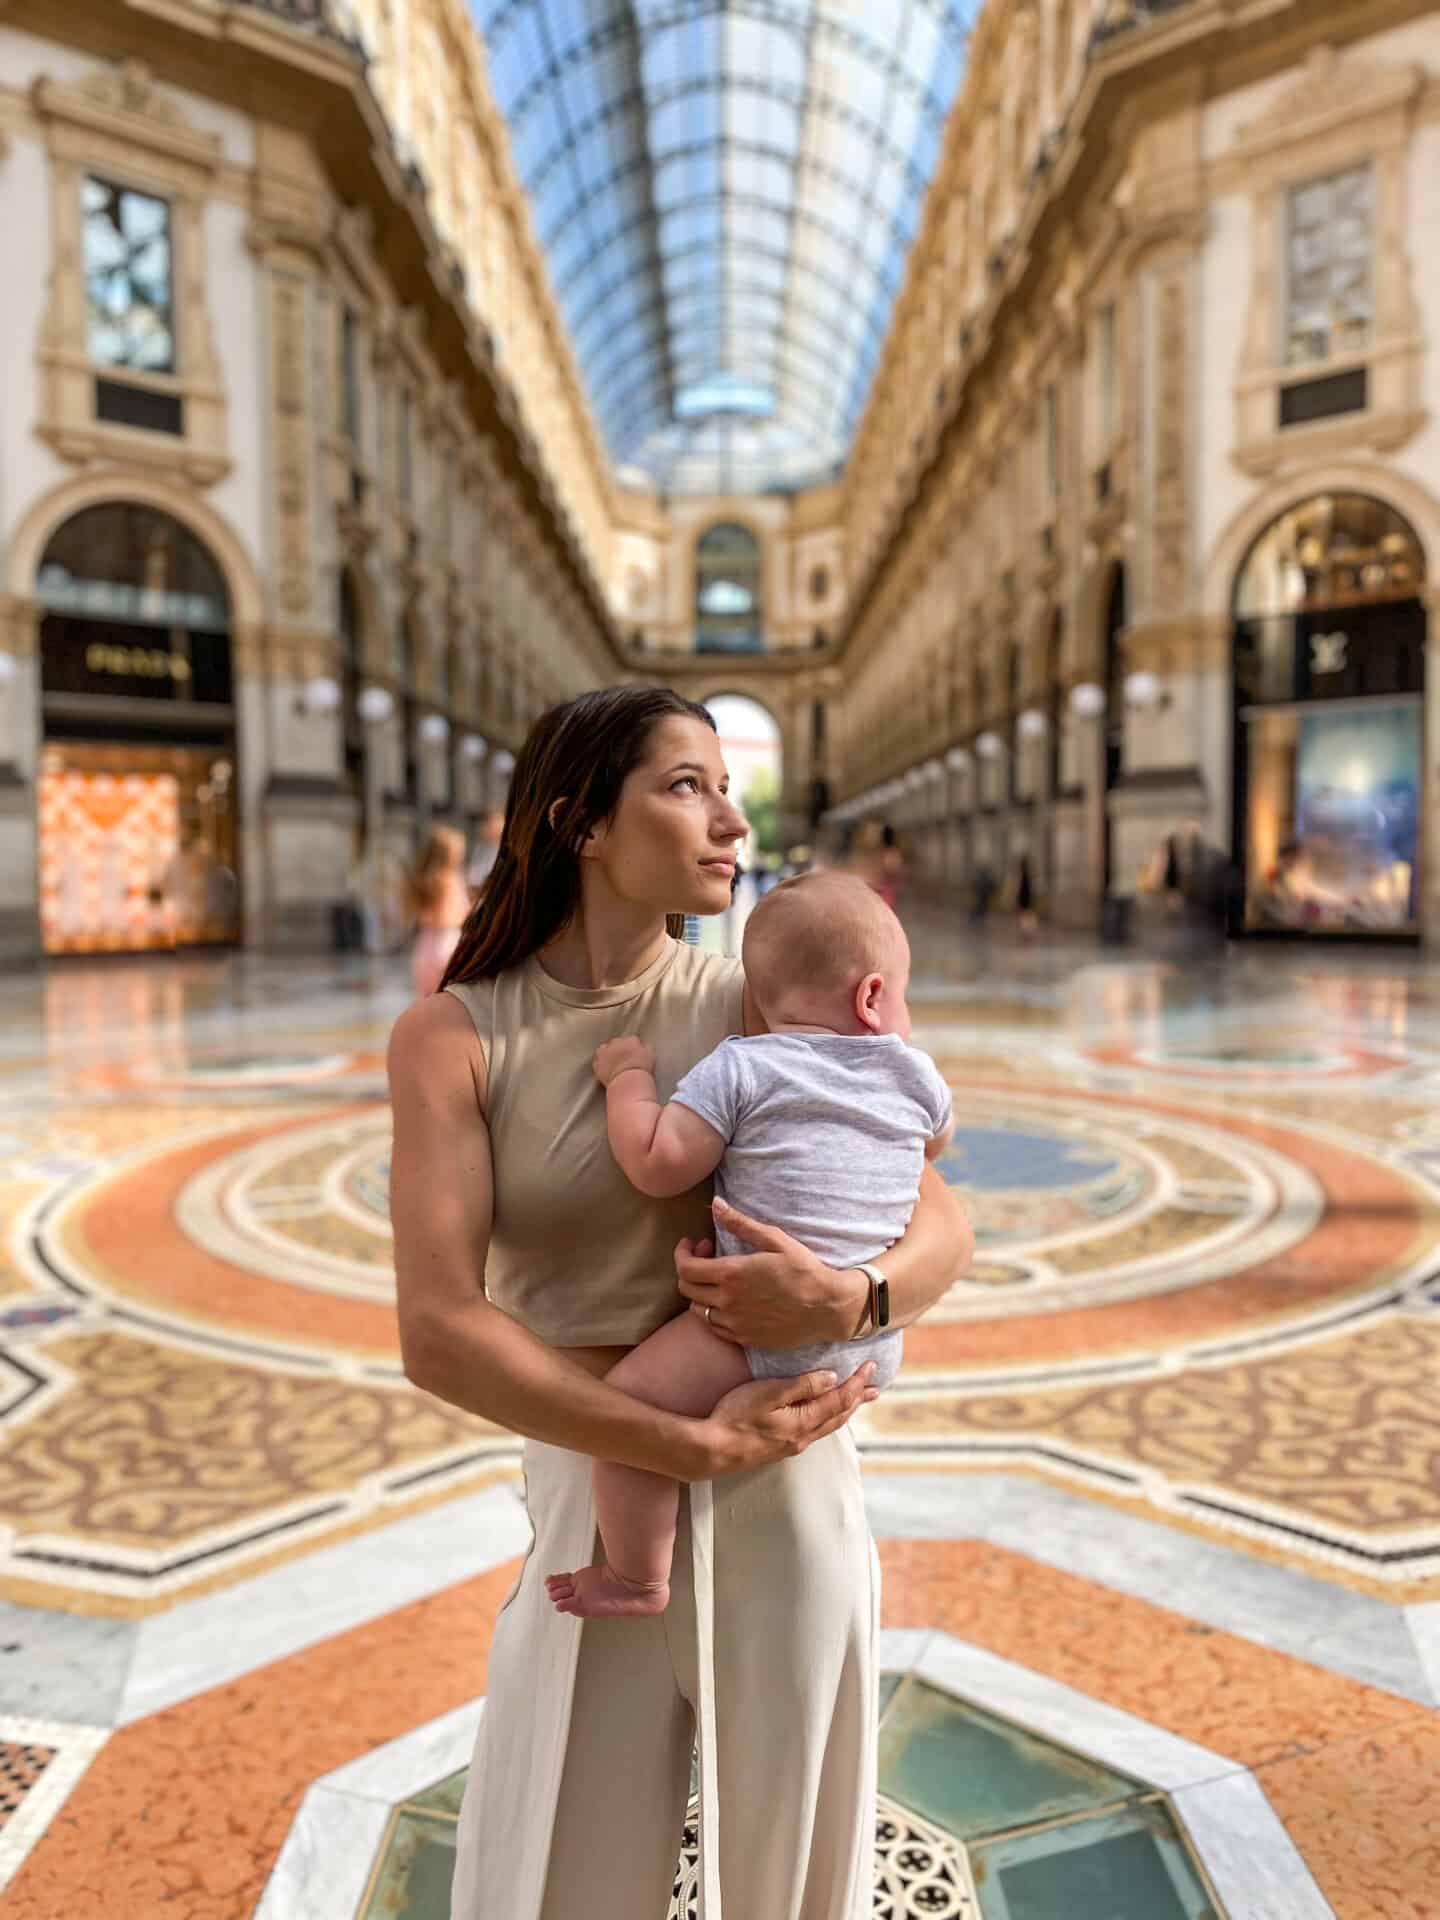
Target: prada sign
150,663
110,658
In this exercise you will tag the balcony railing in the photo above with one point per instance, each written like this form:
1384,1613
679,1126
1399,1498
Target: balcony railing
709,640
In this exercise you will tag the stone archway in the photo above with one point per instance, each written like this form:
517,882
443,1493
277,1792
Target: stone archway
1329,632
33,531
753,744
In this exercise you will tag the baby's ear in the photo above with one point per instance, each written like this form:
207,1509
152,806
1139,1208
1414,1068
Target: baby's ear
867,1000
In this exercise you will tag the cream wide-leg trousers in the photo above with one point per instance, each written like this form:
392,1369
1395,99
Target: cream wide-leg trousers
765,1658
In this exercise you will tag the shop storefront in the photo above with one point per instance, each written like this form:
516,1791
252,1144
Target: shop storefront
1329,678
138,828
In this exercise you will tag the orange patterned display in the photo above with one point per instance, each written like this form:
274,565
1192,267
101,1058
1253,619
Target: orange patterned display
107,842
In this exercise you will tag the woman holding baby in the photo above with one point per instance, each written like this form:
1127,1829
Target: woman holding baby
530,1266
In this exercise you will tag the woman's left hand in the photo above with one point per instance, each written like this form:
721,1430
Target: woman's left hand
782,1295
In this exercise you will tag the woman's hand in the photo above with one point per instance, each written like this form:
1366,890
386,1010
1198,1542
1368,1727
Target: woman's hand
768,1420
782,1295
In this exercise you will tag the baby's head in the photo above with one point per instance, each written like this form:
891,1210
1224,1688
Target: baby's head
824,950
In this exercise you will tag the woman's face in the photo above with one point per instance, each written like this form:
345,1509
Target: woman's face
672,842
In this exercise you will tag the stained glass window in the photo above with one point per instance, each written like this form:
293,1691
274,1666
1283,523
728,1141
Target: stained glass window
129,276
1331,244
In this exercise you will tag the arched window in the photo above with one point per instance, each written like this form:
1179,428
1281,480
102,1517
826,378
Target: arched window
1329,654
729,604
135,605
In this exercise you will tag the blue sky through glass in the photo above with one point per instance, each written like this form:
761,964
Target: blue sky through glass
726,192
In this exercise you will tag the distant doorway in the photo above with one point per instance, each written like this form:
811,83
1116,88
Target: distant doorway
751,746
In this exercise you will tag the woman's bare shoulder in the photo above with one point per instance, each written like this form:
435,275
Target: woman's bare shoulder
434,1046
717,981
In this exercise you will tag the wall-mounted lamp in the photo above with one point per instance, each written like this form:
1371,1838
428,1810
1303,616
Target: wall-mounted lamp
434,729
504,762
1087,700
957,760
8,668
1032,724
933,770
474,748
989,746
914,779
1145,692
375,705
319,695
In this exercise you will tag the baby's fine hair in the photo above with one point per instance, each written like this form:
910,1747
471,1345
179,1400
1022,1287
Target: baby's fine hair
821,932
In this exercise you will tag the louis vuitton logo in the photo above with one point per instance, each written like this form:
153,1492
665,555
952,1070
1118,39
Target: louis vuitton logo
1329,652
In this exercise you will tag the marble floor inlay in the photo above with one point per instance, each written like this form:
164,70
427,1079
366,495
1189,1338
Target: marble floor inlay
1159,1482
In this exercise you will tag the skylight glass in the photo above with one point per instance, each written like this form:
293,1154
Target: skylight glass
726,191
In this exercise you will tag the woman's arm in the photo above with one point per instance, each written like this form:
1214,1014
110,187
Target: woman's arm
458,1346
783,1296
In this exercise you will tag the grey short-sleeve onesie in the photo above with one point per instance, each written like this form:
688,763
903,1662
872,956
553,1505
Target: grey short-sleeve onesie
826,1137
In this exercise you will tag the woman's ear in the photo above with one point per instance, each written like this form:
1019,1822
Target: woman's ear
557,807
867,1001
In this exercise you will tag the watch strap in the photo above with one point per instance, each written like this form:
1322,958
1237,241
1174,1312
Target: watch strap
879,1295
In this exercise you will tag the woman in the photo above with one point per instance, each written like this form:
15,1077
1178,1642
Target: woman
441,900
527,1266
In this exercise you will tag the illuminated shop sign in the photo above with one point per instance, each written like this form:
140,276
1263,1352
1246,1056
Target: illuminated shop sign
152,663
110,658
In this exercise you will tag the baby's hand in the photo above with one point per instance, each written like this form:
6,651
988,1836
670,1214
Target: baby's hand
619,1056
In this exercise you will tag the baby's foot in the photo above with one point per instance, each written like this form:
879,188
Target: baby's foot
600,1593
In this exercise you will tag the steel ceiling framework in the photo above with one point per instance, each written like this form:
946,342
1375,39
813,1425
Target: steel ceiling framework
727,192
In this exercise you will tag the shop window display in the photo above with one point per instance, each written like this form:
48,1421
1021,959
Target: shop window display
1329,670
137,848
138,842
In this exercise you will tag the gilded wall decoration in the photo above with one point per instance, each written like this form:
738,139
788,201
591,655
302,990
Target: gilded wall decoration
291,498
1171,507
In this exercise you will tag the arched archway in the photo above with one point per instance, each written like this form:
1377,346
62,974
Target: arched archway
138,827
35,528
751,741
1328,642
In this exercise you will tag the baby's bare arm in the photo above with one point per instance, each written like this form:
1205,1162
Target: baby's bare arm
661,1150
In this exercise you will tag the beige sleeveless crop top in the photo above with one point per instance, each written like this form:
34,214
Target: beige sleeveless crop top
577,1255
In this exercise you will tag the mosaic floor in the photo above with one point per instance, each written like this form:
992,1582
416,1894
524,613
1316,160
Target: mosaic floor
1158,1490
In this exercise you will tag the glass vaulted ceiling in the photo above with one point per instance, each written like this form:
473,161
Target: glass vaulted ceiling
727,191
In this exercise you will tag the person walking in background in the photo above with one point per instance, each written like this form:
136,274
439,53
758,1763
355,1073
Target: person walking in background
985,885
877,859
1025,915
440,898
487,845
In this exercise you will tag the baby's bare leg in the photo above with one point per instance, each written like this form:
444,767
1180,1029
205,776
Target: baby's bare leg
686,1369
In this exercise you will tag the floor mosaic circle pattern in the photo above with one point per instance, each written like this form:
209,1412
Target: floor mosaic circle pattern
1073,1205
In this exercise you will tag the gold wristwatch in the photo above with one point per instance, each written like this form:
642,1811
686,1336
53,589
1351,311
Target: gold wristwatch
879,1295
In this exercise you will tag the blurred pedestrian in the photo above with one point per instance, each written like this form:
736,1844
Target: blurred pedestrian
1025,915
440,898
487,845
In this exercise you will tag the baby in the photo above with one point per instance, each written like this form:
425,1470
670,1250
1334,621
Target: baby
820,1127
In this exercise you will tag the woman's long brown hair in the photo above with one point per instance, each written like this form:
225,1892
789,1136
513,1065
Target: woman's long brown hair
581,753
